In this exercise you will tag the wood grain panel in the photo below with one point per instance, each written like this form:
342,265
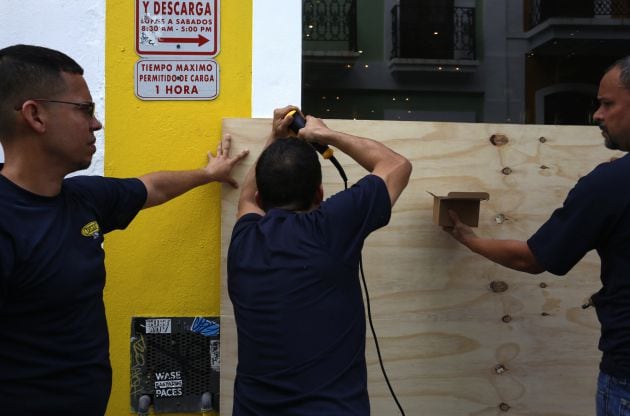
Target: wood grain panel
450,344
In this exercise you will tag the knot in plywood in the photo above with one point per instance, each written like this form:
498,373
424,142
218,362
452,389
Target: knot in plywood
498,286
499,139
500,369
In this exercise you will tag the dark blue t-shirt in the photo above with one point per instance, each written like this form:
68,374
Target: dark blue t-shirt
596,215
293,281
54,349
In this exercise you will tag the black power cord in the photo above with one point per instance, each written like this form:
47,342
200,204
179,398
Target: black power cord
378,350
367,302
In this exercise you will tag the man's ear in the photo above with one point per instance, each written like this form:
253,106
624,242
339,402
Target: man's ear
34,116
258,200
319,196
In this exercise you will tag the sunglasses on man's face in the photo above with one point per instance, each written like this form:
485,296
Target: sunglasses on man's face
87,107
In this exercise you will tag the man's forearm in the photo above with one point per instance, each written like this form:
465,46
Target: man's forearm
366,152
163,186
513,254
248,187
375,157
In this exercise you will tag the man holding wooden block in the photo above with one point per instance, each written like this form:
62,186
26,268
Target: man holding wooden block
594,216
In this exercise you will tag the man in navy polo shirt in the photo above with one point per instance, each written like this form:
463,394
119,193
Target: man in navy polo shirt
594,216
54,348
293,273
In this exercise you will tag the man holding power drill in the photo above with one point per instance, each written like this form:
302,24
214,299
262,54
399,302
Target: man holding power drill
293,273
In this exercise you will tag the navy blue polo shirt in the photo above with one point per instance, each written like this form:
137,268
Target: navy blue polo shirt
596,216
293,281
54,349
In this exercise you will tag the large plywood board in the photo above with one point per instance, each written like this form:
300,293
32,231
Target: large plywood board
452,345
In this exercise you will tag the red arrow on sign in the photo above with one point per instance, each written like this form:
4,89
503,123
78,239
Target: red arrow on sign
199,40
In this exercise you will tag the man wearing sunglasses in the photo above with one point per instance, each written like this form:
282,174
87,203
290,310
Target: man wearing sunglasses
54,356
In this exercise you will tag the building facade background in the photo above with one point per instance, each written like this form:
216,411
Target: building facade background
494,61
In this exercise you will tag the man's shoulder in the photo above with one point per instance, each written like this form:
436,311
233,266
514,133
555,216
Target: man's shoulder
250,217
370,187
96,184
87,180
613,166
245,221
372,179
83,182
607,176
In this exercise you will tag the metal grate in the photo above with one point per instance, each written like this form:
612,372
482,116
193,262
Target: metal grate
441,32
546,9
330,21
175,361
464,36
612,8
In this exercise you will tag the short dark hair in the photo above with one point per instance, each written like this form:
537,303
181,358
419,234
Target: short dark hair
624,70
288,174
28,71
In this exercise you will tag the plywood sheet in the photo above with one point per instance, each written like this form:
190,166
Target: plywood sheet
450,344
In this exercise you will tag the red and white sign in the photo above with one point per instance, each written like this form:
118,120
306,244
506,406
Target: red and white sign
177,79
177,27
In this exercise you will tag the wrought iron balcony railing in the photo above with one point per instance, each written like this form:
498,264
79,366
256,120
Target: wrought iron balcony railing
546,9
439,33
331,21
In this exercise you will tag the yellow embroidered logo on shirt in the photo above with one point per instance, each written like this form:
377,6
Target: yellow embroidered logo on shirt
90,229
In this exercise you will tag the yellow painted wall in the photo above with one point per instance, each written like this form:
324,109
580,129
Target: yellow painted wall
167,262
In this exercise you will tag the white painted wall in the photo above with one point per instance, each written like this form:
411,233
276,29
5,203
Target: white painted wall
77,28
277,55
74,27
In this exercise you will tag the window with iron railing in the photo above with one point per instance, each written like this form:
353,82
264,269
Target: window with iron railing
329,24
436,32
543,10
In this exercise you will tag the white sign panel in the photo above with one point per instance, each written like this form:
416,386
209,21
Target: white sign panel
158,326
168,384
176,79
177,27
